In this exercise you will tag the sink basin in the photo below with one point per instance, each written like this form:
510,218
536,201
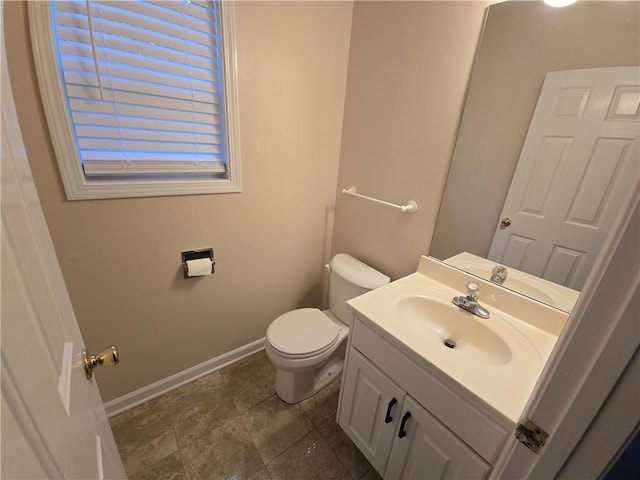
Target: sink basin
457,341
463,334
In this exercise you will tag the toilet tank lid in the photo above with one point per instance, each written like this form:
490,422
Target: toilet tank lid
356,272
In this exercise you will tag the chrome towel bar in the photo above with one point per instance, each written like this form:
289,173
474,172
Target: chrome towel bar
410,207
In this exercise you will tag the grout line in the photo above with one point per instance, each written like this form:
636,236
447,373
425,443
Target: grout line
258,404
333,449
175,434
253,440
306,414
364,474
264,466
291,446
184,472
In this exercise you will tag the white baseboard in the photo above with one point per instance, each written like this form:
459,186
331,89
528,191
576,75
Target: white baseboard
144,394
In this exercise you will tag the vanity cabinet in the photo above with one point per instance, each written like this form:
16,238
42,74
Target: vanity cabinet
400,438
371,409
401,417
424,448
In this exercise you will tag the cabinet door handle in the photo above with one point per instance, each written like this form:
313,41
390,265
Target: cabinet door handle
387,418
402,432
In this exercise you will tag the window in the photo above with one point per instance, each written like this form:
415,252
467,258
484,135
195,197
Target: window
140,96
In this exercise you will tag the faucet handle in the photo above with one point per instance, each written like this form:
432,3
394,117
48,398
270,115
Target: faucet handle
499,270
473,290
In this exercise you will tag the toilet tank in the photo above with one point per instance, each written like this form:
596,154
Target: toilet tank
349,278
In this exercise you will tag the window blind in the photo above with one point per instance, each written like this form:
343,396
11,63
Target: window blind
144,86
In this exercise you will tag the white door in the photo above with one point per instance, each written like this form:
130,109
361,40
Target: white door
579,162
424,448
593,352
53,420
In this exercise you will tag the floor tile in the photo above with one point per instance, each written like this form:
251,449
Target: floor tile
229,424
225,452
199,407
346,451
324,404
140,452
146,417
261,474
310,459
167,468
206,383
144,435
275,425
371,474
250,380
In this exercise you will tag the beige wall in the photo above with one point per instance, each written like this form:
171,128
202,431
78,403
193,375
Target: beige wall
120,258
522,41
408,70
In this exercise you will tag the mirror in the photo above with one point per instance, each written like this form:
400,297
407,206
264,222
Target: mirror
521,43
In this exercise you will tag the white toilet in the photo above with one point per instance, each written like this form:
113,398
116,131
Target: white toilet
307,345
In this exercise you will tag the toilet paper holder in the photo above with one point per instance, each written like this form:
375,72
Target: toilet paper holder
195,255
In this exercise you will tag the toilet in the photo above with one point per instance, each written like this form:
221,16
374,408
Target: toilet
307,345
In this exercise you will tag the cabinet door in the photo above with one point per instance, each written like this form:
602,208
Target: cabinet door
424,448
370,412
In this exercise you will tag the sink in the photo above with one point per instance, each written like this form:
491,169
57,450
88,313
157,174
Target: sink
463,334
498,360
457,341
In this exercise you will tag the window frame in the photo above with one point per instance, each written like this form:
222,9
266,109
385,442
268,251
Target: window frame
77,186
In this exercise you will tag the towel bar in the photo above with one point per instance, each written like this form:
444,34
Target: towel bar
410,207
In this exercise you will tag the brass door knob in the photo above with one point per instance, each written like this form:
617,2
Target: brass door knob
107,357
506,221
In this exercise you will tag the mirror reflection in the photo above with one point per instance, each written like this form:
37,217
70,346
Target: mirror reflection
547,152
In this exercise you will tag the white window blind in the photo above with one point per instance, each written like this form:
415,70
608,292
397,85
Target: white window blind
144,87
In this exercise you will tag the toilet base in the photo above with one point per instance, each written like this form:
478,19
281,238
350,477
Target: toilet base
293,387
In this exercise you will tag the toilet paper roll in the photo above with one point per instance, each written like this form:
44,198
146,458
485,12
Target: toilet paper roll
198,267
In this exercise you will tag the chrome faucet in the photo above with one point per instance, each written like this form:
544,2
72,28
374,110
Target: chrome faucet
469,302
498,274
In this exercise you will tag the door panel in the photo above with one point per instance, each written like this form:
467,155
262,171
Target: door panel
431,451
579,162
51,412
15,465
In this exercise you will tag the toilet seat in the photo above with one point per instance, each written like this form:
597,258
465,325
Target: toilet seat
302,333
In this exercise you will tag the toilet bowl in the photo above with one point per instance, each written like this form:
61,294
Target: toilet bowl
307,345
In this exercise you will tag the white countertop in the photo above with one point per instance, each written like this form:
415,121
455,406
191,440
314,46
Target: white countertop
503,379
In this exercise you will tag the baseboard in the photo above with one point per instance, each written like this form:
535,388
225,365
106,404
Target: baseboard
144,394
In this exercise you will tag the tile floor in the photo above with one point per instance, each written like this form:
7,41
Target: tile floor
231,425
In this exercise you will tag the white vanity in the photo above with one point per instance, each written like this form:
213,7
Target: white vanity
432,391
